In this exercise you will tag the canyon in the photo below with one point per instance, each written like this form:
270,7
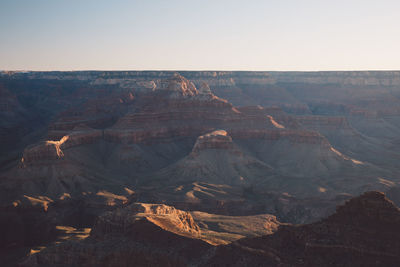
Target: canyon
204,168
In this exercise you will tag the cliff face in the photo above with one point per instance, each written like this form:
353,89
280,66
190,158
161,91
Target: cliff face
225,77
215,140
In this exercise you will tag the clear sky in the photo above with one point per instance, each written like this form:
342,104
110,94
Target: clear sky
200,35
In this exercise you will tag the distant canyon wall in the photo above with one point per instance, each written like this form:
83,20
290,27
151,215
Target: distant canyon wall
224,78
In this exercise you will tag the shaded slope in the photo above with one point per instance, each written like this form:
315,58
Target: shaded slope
216,159
363,232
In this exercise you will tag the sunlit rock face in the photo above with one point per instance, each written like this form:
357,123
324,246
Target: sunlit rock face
141,233
178,86
152,234
45,150
215,140
163,216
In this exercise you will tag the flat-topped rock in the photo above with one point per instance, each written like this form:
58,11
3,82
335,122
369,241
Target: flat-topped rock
218,139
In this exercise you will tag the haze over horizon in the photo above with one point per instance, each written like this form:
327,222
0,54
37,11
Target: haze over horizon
208,35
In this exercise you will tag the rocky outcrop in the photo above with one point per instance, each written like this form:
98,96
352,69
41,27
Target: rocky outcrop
82,136
177,108
166,217
371,210
153,234
215,140
142,234
177,86
52,150
47,150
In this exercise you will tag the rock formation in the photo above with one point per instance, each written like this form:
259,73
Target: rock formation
142,234
362,232
215,140
77,144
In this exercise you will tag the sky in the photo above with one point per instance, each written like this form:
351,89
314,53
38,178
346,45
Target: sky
268,35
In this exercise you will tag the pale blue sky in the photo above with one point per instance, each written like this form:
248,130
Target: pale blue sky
199,35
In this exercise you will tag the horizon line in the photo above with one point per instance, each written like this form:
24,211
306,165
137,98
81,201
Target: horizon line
199,70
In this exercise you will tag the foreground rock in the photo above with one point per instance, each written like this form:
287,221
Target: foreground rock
363,232
149,234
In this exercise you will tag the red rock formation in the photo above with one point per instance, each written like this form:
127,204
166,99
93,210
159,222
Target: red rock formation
176,108
177,86
82,136
215,140
140,234
51,150
47,150
193,112
165,217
